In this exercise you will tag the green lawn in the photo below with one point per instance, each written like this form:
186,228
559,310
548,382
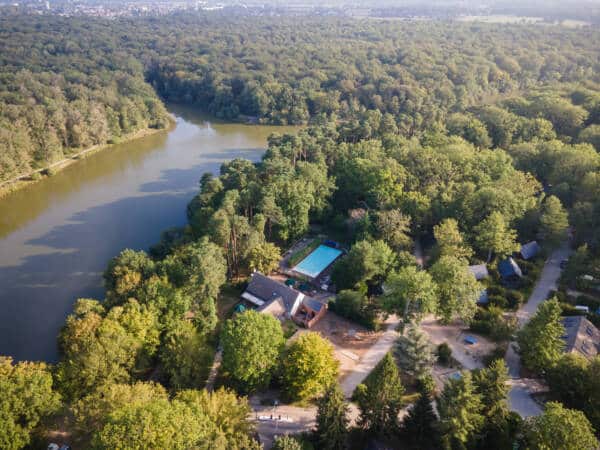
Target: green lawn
303,252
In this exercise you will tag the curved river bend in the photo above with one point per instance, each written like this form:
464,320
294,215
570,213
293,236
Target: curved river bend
56,236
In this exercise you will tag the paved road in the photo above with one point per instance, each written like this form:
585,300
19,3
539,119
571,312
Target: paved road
287,419
372,357
521,389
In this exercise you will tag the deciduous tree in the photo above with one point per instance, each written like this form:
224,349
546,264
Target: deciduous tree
26,398
309,367
252,343
559,428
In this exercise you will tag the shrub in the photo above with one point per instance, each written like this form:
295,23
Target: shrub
514,298
444,353
491,323
496,290
35,176
357,307
49,171
497,353
499,301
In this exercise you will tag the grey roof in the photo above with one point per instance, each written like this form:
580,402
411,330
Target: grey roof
268,290
509,268
479,271
530,250
313,304
581,336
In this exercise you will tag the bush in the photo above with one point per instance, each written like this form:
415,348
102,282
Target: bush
514,298
49,171
497,353
491,323
35,176
355,306
496,290
444,353
499,301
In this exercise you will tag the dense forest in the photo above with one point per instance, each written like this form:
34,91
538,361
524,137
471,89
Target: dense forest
472,139
72,83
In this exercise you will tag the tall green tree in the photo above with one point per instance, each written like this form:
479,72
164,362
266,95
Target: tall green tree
379,398
450,241
495,236
554,221
232,427
27,397
252,344
410,292
540,340
559,428
420,424
491,384
366,262
286,442
414,352
460,409
185,355
332,419
394,228
457,289
309,367
105,347
264,257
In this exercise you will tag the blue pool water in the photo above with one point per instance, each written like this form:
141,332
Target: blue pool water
317,261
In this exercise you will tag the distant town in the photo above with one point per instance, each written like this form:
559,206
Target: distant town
574,13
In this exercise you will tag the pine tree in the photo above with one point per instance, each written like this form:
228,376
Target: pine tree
460,409
540,341
380,398
491,385
420,424
415,352
332,423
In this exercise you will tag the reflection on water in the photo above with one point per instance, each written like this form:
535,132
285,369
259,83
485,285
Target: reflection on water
57,235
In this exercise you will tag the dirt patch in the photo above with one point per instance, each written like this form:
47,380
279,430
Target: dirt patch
351,341
469,355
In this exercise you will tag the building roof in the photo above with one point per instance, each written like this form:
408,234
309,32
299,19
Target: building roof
581,336
479,271
484,298
509,268
530,250
313,304
263,290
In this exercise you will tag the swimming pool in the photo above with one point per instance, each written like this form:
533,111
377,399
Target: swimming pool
317,261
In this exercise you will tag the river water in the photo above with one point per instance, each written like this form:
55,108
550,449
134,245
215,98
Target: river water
57,235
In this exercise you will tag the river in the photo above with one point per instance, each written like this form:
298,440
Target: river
56,236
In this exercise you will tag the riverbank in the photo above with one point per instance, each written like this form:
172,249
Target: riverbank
22,181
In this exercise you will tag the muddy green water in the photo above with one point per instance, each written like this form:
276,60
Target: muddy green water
56,236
